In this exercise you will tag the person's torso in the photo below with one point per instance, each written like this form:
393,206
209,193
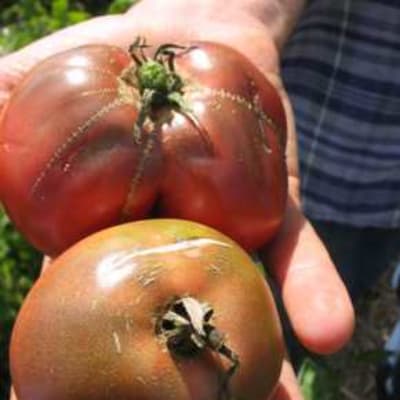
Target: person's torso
342,71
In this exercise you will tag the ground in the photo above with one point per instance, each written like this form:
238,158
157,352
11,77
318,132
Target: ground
356,364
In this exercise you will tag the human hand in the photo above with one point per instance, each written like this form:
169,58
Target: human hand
314,296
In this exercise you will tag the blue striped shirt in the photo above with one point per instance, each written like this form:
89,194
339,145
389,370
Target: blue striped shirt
342,71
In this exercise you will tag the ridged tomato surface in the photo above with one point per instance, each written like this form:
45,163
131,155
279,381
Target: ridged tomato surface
72,163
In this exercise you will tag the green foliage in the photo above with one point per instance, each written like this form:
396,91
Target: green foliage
19,267
26,20
317,381
118,6
31,19
370,357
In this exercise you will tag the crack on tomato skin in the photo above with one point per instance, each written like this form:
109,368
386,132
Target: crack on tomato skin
96,92
255,138
117,342
149,276
129,93
143,157
102,71
253,105
77,134
129,325
263,119
214,269
199,127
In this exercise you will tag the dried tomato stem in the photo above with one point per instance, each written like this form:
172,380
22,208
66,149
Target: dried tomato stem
187,327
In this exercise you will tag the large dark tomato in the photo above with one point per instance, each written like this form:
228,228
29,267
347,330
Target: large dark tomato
89,140
151,310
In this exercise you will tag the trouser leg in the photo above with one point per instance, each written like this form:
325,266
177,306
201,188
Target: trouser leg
388,375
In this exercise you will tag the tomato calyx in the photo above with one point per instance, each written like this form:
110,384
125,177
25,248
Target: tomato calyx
155,79
158,74
187,327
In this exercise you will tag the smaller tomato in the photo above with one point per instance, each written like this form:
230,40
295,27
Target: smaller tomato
152,310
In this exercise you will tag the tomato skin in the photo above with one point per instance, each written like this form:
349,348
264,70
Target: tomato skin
87,328
70,163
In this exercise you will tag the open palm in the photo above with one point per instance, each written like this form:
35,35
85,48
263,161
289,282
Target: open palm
314,296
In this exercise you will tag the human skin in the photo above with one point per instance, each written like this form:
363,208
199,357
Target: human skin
323,320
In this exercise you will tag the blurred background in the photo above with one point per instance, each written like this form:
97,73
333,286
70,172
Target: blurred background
349,375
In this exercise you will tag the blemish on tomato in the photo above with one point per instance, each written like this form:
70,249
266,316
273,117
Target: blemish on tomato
117,342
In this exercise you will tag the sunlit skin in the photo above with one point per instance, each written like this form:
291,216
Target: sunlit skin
323,320
89,327
76,162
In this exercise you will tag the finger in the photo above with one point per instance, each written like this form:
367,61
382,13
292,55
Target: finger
315,298
288,387
12,395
